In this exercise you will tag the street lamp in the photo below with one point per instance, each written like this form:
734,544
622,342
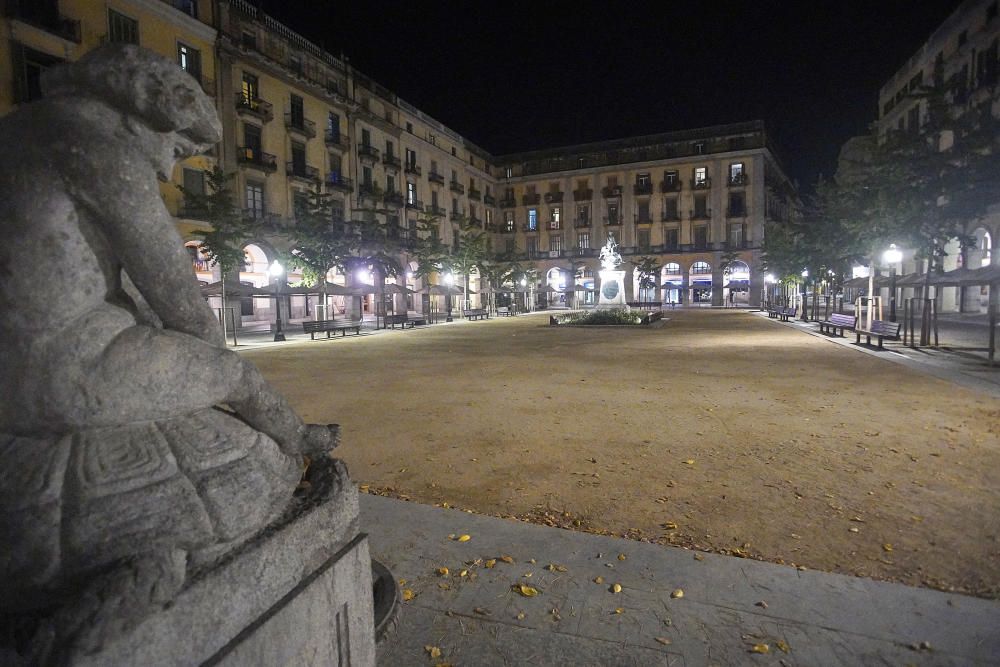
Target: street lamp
805,285
277,272
764,300
892,257
449,280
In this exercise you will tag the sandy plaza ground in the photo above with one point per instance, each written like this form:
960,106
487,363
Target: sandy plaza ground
718,430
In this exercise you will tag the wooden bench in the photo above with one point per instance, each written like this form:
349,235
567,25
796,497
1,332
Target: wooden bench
330,326
475,314
788,313
880,329
403,321
837,321
505,311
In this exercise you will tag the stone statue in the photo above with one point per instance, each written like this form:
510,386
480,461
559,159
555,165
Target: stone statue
609,255
133,445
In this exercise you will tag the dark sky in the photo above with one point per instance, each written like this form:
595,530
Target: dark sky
520,76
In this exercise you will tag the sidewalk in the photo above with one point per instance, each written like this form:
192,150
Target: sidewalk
730,610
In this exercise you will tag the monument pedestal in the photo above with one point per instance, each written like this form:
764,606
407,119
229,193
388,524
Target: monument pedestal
612,294
298,594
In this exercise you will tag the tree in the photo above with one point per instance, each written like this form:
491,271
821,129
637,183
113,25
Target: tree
372,240
648,270
468,256
224,244
319,243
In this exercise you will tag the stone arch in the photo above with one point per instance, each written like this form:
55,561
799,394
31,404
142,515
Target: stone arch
204,270
671,282
736,283
700,282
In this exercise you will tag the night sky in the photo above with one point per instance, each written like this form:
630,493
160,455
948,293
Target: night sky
522,76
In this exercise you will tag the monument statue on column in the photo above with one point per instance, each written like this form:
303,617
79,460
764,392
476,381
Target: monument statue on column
143,466
612,293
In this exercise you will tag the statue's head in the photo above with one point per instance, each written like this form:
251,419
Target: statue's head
146,88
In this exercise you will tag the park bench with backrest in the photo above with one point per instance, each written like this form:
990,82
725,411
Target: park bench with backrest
840,321
403,320
475,314
330,326
787,313
505,311
880,329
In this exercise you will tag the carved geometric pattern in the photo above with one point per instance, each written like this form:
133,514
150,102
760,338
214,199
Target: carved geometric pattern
118,459
31,470
207,439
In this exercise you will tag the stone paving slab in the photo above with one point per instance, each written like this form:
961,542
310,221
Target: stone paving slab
729,604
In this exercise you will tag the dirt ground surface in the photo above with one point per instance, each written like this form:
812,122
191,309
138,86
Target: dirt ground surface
719,430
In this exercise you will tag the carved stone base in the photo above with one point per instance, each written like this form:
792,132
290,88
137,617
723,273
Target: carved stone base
612,294
300,594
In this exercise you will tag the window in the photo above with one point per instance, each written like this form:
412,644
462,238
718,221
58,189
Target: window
736,236
508,172
583,240
489,216
431,139
28,67
508,221
411,158
255,200
300,203
411,192
555,243
409,127
336,210
454,176
556,221
670,238
670,209
642,180
736,174
613,216
298,159
453,151
190,60
390,149
390,184
251,141
642,211
454,204
295,64
297,112
434,199
700,206
194,182
612,181
699,147
510,246
642,239
670,179
583,214
700,177
366,137
700,239
737,204
532,219
251,88
122,29
531,245
333,126
189,7
366,177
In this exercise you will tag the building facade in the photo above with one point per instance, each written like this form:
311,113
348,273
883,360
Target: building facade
962,56
295,116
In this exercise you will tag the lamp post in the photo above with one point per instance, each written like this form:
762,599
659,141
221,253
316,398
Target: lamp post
805,285
892,257
277,272
449,280
764,300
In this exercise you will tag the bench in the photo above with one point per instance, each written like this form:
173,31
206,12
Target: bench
475,313
787,313
403,321
505,311
880,329
837,321
330,326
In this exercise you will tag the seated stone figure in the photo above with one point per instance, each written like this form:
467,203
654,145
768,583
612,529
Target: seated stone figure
127,442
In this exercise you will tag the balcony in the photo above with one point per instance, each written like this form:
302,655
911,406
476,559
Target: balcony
368,152
554,224
335,181
301,171
642,188
554,197
456,216
583,195
391,161
701,214
611,191
435,210
489,199
508,202
507,228
738,180
257,159
670,216
299,125
415,205
393,198
529,227
37,14
435,177
475,194
703,184
531,199
581,223
414,169
737,212
254,107
643,220
613,220
670,186
456,187
369,190
335,140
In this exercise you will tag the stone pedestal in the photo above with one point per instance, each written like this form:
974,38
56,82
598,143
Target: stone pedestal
299,594
612,294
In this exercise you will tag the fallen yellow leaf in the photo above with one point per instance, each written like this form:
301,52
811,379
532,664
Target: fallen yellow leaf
526,591
783,646
408,595
886,547
402,582
598,580
617,588
760,648
677,593
490,563
670,525
690,462
445,586
699,557
463,573
433,651
520,616
443,571
620,610
663,640
464,538
622,556
507,559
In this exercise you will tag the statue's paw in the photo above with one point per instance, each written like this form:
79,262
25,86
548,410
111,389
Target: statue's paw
319,440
